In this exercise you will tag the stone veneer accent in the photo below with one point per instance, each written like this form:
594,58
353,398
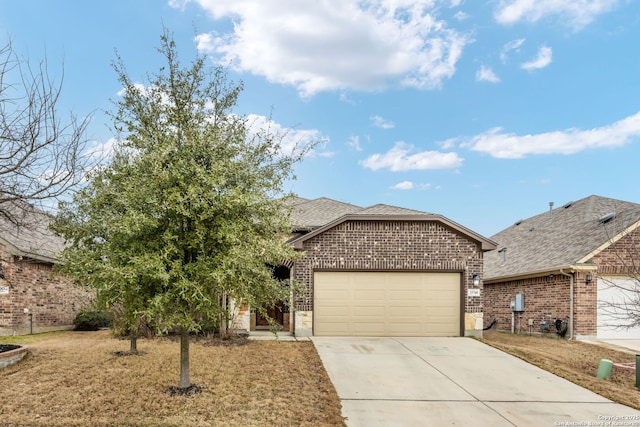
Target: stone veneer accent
385,245
53,302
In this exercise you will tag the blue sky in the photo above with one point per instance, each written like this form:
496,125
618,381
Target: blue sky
481,111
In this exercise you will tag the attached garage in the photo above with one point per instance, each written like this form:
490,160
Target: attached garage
387,304
385,271
614,294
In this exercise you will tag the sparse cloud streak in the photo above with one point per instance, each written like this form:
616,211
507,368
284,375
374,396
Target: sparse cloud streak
486,74
542,60
402,157
574,13
499,144
381,123
404,185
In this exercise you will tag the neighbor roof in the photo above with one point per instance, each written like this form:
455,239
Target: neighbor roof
565,237
28,235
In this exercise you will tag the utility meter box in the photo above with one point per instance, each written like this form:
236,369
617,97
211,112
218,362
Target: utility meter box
519,305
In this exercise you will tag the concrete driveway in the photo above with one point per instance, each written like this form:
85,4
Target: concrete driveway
454,381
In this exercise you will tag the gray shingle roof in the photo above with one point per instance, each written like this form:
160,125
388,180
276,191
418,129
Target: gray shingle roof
558,238
310,214
381,209
31,236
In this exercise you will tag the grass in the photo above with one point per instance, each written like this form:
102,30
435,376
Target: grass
575,361
77,379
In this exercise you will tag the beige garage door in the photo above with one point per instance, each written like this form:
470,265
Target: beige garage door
386,304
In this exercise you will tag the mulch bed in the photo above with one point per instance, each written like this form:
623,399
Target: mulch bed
8,347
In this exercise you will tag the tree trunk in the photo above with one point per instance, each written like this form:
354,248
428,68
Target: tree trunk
133,338
224,331
185,382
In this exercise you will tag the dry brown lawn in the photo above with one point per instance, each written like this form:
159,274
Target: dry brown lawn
574,360
76,379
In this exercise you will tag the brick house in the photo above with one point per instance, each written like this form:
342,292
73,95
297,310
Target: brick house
572,262
382,270
33,298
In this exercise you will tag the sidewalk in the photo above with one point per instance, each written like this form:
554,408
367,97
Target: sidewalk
280,336
626,345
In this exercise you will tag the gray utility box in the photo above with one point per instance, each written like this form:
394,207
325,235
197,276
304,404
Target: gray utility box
518,303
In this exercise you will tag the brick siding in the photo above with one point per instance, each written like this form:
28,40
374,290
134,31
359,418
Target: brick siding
622,257
545,297
389,246
51,299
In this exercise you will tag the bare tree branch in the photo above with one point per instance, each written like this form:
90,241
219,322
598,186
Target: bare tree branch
620,310
41,157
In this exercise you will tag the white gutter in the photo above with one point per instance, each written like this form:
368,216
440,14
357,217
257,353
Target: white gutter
570,276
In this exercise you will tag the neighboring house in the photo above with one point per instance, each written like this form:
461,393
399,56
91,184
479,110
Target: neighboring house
382,270
569,263
33,298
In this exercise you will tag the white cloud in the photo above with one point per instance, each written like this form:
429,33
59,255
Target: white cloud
404,185
575,13
455,3
542,60
408,185
511,146
512,45
400,159
336,45
354,142
292,140
461,16
102,150
381,123
486,74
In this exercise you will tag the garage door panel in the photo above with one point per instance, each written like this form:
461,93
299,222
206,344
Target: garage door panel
400,312
387,304
363,295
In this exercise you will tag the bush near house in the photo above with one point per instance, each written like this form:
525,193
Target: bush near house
92,320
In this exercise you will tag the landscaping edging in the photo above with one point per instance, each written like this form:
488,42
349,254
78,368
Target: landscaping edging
12,356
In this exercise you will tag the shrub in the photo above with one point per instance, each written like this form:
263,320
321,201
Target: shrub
92,320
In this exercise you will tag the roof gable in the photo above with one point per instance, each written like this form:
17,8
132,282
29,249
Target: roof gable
486,244
560,238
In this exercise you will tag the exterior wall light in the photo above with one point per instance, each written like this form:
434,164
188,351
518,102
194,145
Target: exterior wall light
588,278
476,279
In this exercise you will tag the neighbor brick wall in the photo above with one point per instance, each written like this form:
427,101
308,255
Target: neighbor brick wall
389,246
622,257
546,296
51,299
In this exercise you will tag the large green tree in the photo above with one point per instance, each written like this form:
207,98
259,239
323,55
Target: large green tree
191,213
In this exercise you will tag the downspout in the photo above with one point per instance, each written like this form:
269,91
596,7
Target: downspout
571,284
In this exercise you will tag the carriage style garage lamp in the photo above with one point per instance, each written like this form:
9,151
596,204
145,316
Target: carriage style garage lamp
476,279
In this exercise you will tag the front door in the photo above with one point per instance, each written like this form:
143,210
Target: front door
276,313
